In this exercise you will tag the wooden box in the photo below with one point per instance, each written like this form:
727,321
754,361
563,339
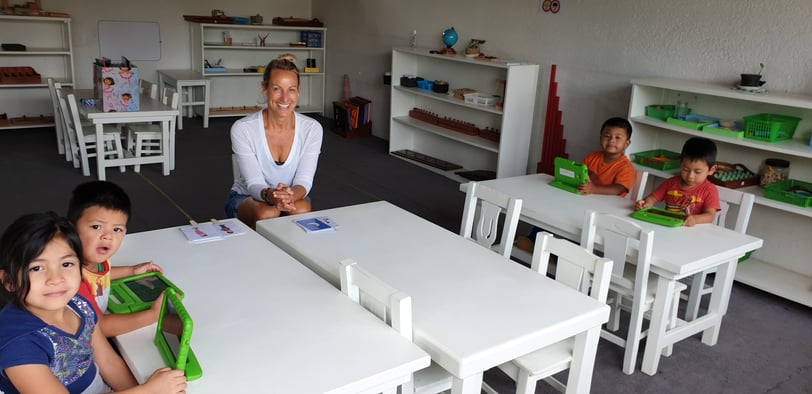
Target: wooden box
19,75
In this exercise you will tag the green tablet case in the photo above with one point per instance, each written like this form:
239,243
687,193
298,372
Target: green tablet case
660,216
569,174
175,347
137,293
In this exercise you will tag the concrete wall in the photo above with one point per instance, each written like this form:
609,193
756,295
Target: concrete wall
175,51
598,47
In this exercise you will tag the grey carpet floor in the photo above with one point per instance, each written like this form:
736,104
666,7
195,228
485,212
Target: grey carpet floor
765,345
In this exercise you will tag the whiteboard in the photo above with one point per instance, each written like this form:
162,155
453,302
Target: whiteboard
135,40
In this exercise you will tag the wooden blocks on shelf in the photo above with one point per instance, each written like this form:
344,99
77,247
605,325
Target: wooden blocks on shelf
19,75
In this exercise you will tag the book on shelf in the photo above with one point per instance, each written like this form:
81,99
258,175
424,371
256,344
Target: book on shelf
317,224
211,231
352,114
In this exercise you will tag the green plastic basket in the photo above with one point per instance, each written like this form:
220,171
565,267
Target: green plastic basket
770,127
661,112
790,191
660,159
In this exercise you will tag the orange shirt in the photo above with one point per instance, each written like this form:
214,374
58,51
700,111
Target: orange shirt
620,172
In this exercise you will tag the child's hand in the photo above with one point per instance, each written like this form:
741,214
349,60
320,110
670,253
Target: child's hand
639,204
165,380
690,221
148,266
585,188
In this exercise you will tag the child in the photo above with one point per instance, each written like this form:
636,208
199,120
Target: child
610,171
47,331
100,211
690,192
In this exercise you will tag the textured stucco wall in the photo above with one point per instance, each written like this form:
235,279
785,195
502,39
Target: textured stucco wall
598,47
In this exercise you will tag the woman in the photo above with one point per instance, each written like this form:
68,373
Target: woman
276,151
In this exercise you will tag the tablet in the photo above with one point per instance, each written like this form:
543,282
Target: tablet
660,216
137,293
174,336
569,175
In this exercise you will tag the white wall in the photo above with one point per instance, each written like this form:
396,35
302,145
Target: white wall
598,47
175,51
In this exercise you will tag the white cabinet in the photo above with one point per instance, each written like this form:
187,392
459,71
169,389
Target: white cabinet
507,156
235,92
48,51
783,266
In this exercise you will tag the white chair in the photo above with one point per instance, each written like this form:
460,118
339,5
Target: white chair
83,143
638,191
395,309
483,228
618,238
61,141
727,197
148,89
579,269
146,139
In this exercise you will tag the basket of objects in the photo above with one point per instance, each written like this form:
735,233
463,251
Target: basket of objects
733,176
660,159
770,127
695,122
660,111
790,191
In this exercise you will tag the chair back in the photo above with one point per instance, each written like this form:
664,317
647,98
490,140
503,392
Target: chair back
148,89
388,304
618,238
638,191
482,226
58,122
575,266
743,203
74,139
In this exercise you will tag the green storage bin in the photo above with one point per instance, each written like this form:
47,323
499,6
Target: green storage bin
660,159
770,127
715,129
790,191
661,112
695,122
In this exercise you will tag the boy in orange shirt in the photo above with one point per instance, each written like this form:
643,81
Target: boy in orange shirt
610,171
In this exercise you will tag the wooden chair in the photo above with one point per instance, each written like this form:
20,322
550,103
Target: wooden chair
395,309
61,141
483,228
618,239
83,143
579,269
146,139
727,197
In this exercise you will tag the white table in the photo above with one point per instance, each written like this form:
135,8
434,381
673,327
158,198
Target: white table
472,308
678,253
265,323
151,110
185,81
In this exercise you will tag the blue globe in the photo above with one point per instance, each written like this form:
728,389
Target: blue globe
450,37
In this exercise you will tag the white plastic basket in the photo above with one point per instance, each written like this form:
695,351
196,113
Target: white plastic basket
480,99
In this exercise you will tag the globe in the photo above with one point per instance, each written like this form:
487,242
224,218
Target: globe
450,37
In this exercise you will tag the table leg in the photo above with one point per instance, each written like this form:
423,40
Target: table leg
167,149
720,297
470,385
659,322
583,361
100,159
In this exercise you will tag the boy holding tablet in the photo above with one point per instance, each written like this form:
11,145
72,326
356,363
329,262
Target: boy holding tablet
99,210
690,192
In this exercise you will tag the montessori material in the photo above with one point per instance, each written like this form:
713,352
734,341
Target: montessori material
569,174
174,334
137,293
660,216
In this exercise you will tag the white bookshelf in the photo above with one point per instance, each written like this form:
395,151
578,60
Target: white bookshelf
508,156
782,266
49,52
235,88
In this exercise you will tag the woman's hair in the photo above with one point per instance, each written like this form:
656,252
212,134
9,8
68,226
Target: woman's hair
285,62
22,242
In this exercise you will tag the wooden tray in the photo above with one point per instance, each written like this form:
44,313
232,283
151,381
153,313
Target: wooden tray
723,168
489,134
234,110
32,120
19,75
426,159
291,21
226,20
